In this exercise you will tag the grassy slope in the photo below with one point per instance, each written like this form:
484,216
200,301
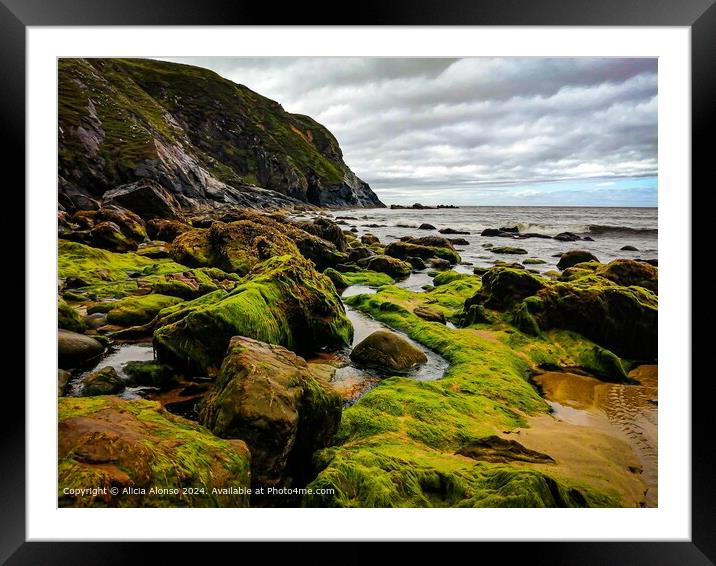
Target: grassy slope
221,122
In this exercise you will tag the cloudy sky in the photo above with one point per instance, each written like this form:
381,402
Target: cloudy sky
493,131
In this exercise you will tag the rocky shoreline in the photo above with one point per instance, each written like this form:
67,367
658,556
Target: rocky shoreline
248,330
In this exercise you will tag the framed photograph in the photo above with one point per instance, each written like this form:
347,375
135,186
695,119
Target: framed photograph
393,279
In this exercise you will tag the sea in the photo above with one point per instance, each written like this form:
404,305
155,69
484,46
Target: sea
609,228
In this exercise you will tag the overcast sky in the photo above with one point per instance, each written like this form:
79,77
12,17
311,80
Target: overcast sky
539,131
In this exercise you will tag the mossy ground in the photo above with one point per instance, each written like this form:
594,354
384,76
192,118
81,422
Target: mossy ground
397,444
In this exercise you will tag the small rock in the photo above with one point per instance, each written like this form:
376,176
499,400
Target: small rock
369,239
511,230
63,378
569,259
439,263
426,226
567,237
105,381
629,249
429,314
387,350
452,231
95,320
507,250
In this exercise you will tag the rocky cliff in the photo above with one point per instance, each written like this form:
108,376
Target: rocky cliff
203,138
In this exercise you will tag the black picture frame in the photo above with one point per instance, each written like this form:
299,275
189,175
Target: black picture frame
17,15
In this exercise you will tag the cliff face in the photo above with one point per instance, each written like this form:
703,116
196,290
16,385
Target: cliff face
203,138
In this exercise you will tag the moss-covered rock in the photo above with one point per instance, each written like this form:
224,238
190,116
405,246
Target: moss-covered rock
150,373
68,318
509,250
430,241
395,268
106,442
369,239
337,278
282,301
166,230
402,250
327,230
628,272
533,261
387,350
132,311
568,259
270,397
104,381
621,319
503,287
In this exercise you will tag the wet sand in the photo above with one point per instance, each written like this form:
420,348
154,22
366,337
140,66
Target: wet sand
603,433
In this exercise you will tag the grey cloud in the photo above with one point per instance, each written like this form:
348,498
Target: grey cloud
437,123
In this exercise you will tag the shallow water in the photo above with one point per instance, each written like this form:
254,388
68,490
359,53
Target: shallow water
117,357
610,228
626,411
353,382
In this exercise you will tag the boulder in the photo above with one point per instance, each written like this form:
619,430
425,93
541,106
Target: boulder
510,229
567,237
104,381
426,226
369,239
503,287
108,235
572,258
130,224
272,399
459,242
417,263
490,232
396,268
402,250
74,349
326,230
359,253
107,442
621,319
68,318
430,241
629,249
145,197
150,373
282,301
628,272
388,351
166,230
439,263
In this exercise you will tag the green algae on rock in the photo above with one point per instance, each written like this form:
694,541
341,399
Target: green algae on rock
68,318
137,446
131,311
399,444
282,301
270,397
404,250
104,381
